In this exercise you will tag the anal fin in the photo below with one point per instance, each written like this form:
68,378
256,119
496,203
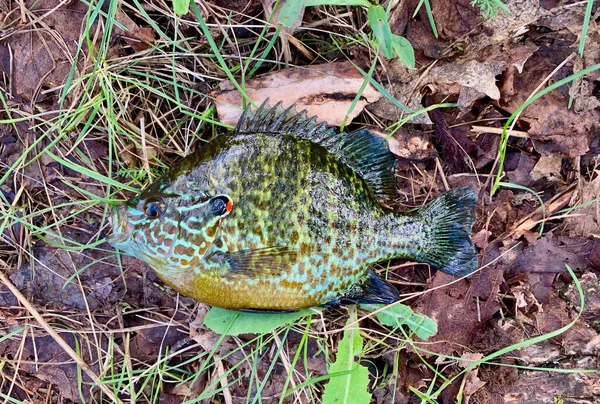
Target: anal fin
373,290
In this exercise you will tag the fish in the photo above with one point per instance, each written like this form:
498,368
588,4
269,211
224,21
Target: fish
284,213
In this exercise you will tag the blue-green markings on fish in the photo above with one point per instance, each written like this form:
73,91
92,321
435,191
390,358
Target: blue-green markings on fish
284,213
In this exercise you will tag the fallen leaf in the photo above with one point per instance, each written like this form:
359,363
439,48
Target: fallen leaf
553,127
40,60
233,322
325,91
139,38
480,239
408,145
460,309
453,18
547,168
476,80
43,358
148,343
588,221
548,255
472,384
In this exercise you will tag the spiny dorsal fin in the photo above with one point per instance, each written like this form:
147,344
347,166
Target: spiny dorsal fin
363,151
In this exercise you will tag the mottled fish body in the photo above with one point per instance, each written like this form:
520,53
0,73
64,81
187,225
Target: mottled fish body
284,214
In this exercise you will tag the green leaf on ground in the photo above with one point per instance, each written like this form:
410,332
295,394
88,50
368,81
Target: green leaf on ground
232,322
310,3
181,7
400,314
404,50
350,387
289,12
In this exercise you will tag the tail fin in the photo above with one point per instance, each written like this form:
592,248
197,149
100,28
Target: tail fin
448,246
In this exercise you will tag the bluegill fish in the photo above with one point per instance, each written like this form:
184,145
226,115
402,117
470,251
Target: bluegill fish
283,214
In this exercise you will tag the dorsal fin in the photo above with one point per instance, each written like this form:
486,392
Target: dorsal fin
363,151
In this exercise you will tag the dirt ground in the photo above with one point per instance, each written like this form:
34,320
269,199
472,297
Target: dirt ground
137,93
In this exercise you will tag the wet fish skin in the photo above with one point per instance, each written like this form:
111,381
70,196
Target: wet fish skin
304,222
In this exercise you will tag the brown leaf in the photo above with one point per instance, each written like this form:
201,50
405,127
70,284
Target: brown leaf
480,239
476,79
547,168
452,18
553,127
548,255
44,359
149,342
139,38
588,221
459,310
40,61
325,91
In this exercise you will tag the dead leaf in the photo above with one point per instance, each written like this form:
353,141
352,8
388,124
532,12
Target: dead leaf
44,359
139,38
39,60
553,127
453,18
480,239
588,223
476,80
461,309
408,145
548,255
325,91
149,343
547,168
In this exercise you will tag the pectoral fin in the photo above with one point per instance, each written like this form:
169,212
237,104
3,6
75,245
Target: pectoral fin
270,261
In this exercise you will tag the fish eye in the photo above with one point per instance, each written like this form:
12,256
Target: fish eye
221,205
154,208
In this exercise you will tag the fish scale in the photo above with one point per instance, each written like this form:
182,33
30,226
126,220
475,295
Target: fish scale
284,214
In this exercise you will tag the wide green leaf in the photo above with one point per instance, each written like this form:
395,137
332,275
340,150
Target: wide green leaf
351,385
232,322
404,50
381,29
181,7
400,314
290,12
310,3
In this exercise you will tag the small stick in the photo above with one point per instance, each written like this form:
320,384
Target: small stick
59,340
498,131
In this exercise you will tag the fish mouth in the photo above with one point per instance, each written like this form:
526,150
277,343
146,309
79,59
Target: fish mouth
118,222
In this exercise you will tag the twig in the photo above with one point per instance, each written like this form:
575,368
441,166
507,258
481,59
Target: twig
59,340
498,131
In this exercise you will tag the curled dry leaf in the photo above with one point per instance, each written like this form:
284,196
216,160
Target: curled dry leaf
325,91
